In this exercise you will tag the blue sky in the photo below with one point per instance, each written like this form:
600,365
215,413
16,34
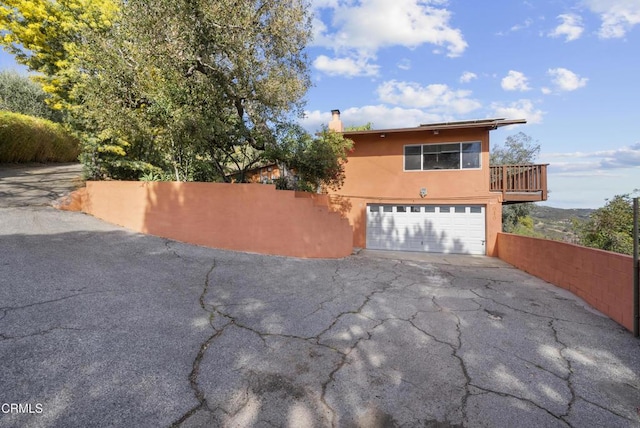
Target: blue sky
570,67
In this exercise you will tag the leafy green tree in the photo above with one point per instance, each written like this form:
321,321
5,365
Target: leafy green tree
46,36
318,161
610,227
19,94
518,149
194,88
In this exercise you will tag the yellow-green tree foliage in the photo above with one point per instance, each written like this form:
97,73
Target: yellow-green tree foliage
34,139
46,36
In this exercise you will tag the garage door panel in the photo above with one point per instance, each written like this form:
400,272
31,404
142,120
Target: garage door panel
432,228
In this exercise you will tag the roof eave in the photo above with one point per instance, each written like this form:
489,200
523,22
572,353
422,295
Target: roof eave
484,123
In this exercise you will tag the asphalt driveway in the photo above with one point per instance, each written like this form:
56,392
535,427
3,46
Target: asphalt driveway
100,326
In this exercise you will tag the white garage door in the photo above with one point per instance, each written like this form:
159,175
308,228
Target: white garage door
456,229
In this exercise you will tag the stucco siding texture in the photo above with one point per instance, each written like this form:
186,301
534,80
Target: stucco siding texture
375,174
601,278
243,217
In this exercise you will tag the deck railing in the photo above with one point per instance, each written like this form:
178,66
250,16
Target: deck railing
520,183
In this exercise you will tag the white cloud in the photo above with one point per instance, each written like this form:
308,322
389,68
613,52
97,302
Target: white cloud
566,80
358,29
621,158
515,81
526,24
521,109
467,77
437,97
618,16
380,116
546,90
348,67
571,27
404,64
517,27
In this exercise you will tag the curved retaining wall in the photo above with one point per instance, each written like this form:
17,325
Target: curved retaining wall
243,217
601,278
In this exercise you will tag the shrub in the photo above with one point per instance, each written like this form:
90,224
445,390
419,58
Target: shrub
31,139
20,94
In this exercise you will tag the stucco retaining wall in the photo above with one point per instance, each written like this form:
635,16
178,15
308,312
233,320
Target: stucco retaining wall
243,217
602,278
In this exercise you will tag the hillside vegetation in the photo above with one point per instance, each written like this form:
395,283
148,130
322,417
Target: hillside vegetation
31,139
557,223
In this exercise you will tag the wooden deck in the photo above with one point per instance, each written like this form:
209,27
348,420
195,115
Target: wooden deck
520,183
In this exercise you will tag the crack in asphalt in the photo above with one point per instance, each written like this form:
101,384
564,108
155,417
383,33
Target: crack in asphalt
195,368
455,352
568,378
313,340
508,395
546,317
336,369
380,286
39,333
6,309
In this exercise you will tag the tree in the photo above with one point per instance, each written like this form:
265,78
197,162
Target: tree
46,36
19,94
366,127
318,161
209,89
610,227
518,149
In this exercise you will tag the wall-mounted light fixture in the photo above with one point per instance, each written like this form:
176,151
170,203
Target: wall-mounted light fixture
382,135
436,132
423,192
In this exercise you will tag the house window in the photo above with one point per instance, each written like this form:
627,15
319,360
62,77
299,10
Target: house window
412,157
428,157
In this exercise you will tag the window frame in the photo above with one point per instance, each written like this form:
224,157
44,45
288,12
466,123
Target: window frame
460,158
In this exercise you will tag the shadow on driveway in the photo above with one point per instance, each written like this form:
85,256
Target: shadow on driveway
105,327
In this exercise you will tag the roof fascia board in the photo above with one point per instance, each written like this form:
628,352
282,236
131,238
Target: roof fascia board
486,124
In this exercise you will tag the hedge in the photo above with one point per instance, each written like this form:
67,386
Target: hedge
32,139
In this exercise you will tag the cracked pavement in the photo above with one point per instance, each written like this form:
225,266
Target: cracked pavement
105,327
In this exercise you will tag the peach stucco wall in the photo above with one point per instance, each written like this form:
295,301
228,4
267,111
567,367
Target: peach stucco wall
375,174
244,217
601,278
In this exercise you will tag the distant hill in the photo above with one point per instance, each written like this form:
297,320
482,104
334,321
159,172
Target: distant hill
557,223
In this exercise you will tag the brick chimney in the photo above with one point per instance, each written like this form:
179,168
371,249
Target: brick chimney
336,123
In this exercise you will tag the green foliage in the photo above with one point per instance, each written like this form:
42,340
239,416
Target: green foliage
525,227
46,36
513,215
518,149
610,227
199,96
317,161
30,139
20,94
366,127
